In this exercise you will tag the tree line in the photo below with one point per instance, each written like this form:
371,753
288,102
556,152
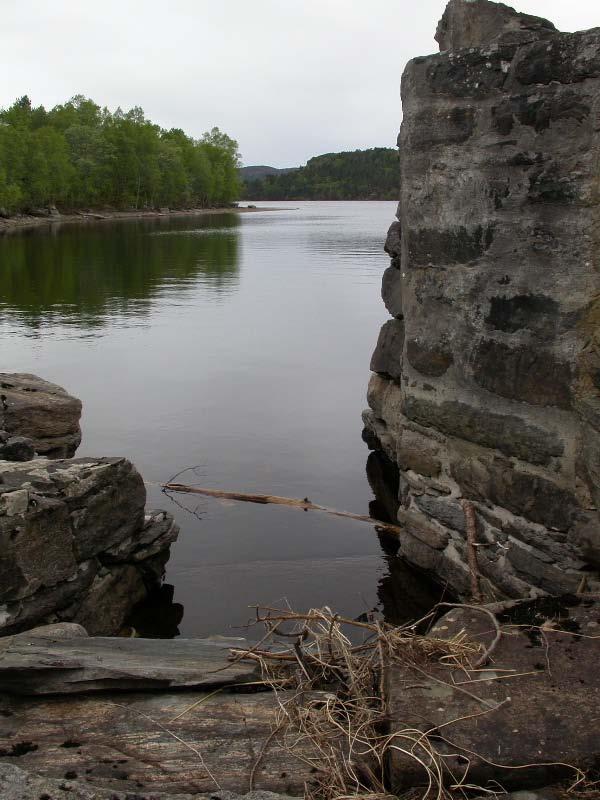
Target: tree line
357,175
79,155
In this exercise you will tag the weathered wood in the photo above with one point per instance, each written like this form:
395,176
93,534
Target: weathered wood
273,499
32,663
132,741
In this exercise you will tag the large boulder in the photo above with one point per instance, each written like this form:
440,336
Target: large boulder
41,411
473,23
76,542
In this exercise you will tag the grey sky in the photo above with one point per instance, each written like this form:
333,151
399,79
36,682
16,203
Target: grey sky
287,79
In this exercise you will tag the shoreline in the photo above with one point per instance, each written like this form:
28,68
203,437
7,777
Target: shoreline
25,221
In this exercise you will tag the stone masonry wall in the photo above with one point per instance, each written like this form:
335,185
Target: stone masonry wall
486,379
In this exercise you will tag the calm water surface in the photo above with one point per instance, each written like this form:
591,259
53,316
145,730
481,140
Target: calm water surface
238,345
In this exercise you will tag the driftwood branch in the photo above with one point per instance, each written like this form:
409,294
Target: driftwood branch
271,499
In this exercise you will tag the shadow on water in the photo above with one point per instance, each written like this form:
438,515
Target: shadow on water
157,616
87,274
405,593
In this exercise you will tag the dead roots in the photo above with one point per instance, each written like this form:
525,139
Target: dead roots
329,675
337,670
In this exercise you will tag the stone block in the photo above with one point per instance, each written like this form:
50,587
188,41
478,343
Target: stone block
387,358
509,434
519,732
418,453
391,291
431,359
530,373
526,494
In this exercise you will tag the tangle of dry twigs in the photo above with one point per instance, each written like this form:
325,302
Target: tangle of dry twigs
335,706
337,709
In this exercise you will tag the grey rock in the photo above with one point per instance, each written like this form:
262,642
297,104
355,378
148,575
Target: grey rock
56,660
429,360
495,274
476,23
17,448
391,291
387,357
41,411
393,242
109,599
418,453
585,535
527,372
18,784
509,434
76,543
540,717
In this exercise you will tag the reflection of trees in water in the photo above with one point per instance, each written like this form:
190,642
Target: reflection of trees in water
85,273
405,593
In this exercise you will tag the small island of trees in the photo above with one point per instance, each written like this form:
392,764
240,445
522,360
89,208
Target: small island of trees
79,155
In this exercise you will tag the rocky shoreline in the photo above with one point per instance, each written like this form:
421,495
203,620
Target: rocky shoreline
484,404
76,541
53,217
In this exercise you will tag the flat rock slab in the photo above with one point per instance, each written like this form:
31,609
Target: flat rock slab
152,744
17,784
539,698
38,664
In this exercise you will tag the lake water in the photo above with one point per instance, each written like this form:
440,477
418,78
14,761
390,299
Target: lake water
238,345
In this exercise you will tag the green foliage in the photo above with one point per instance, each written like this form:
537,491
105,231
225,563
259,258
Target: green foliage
78,155
358,175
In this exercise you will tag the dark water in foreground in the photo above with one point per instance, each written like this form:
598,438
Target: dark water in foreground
238,345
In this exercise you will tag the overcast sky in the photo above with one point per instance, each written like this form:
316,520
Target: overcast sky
288,78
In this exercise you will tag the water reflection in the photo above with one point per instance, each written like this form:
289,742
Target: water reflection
257,372
87,274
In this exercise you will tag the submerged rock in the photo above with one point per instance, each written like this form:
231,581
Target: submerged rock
488,388
41,411
76,543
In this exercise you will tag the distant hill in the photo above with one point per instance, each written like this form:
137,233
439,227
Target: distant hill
258,172
353,175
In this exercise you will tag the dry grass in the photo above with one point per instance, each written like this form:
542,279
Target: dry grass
334,673
337,670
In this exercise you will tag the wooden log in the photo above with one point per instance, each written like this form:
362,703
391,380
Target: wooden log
153,744
272,499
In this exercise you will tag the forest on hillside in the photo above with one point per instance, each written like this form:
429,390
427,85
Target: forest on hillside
79,155
354,175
